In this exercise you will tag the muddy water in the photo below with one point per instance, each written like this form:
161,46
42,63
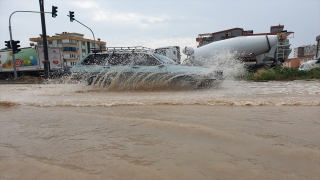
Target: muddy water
243,130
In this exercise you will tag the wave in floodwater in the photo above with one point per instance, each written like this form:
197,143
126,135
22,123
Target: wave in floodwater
231,93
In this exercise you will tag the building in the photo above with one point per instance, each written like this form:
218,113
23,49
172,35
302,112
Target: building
73,45
318,46
296,62
303,54
303,51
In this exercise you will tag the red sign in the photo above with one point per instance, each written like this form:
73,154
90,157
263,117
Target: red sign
18,63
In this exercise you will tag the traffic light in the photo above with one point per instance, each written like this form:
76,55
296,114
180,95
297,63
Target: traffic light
15,46
8,44
71,16
54,11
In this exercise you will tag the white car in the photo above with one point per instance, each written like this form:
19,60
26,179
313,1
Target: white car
310,64
136,65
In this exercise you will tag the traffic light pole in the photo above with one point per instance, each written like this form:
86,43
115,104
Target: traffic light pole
94,40
13,59
44,38
11,41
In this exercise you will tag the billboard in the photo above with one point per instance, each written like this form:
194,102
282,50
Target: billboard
25,59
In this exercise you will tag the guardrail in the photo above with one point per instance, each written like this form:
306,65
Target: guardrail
124,49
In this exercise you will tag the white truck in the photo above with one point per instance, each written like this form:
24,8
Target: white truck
254,51
315,63
29,61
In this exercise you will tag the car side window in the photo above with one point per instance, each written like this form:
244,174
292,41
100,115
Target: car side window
145,60
119,59
95,59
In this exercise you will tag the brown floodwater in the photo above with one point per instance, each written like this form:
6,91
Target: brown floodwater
242,130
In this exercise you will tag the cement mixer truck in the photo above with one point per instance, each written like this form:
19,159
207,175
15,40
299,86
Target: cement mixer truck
254,51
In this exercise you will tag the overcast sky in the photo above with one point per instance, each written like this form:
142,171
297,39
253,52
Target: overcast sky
154,23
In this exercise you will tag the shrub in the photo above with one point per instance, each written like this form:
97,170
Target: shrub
282,73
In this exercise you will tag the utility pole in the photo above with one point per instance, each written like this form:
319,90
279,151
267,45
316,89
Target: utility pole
44,38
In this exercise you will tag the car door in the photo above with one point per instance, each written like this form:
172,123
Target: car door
147,69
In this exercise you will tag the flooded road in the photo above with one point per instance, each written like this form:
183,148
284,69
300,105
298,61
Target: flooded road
243,130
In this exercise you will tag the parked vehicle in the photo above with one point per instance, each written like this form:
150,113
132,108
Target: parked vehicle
29,61
310,64
135,65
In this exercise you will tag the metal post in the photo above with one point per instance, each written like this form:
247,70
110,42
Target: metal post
13,59
44,38
10,31
94,40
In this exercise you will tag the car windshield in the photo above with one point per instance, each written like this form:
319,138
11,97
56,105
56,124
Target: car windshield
165,59
95,59
119,59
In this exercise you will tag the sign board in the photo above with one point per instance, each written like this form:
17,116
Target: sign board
26,59
54,55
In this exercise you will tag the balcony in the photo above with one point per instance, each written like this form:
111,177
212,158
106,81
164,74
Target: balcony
69,41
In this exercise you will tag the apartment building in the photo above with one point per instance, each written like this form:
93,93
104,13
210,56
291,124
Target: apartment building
303,51
73,45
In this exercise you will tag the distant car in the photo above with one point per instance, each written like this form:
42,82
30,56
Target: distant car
310,64
136,65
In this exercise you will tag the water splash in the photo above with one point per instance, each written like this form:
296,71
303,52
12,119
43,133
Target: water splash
142,79
225,60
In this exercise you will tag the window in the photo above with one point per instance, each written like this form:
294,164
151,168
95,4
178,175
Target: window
67,48
161,51
40,43
120,59
69,41
95,59
145,60
72,41
83,43
59,41
50,42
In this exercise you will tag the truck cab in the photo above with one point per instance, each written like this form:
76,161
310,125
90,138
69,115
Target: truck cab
172,52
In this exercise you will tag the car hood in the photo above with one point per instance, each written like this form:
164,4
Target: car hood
193,68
